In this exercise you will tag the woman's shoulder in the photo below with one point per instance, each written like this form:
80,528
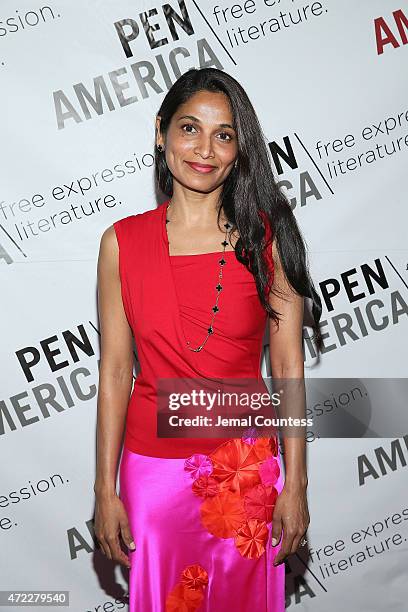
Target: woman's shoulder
123,223
136,219
128,228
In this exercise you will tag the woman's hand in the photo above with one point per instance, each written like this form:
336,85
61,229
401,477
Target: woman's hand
110,520
291,513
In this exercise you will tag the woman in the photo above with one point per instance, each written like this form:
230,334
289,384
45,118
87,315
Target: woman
208,522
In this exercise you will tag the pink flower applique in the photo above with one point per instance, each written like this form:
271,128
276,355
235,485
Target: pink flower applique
198,465
260,502
269,471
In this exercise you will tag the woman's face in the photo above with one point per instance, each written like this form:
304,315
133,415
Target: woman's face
201,143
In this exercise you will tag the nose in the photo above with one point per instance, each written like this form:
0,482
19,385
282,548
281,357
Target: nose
204,147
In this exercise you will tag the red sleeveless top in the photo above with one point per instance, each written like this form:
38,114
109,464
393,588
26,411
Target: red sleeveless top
168,300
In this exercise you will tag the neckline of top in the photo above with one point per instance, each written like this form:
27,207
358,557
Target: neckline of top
203,254
166,239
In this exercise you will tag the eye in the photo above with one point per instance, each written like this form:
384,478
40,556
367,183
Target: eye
229,137
187,125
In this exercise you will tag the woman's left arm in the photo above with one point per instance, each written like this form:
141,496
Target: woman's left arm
286,355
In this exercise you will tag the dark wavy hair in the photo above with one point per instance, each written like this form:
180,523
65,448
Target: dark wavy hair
250,194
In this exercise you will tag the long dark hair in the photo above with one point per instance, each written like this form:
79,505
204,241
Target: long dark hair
250,196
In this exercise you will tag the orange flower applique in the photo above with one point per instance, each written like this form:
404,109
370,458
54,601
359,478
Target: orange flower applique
183,599
236,465
194,577
263,448
251,538
236,483
188,594
205,486
223,514
260,502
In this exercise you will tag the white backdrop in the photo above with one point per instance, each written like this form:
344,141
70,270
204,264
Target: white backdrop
77,139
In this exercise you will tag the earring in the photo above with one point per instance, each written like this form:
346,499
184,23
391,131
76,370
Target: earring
160,148
236,163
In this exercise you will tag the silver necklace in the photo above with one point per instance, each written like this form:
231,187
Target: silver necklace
218,288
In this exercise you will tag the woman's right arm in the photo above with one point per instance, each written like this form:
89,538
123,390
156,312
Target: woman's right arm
115,384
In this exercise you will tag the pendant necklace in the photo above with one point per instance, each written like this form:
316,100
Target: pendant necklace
218,288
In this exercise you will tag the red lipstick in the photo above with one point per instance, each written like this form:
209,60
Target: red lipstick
203,168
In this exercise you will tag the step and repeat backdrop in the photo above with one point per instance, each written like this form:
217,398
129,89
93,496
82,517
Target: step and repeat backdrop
81,83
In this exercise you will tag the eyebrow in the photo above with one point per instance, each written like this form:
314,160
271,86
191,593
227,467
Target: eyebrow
225,125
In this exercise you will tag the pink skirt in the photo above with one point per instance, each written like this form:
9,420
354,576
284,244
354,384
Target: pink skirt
202,529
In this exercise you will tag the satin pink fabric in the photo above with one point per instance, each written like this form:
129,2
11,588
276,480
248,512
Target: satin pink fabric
164,516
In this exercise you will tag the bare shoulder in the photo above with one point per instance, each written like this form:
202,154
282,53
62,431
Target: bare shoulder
109,239
108,259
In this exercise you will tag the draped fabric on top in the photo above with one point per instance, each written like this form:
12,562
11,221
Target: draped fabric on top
167,301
